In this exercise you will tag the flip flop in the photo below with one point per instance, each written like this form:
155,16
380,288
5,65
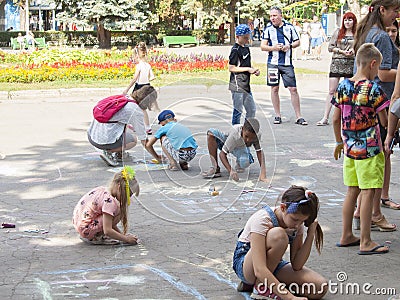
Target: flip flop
173,168
373,251
356,243
212,173
384,201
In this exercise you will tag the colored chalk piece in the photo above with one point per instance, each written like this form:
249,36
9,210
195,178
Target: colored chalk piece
7,225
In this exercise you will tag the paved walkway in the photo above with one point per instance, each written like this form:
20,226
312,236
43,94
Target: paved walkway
187,235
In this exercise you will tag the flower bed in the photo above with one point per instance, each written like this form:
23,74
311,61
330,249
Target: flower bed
79,65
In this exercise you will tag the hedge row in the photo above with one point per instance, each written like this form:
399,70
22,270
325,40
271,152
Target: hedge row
118,38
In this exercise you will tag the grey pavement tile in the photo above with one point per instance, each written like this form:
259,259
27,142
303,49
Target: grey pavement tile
188,236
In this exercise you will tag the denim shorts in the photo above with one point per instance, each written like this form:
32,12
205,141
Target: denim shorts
220,137
238,259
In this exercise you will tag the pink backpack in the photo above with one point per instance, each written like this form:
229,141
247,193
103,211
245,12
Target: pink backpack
106,108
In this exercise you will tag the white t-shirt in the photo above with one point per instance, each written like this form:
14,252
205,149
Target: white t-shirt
108,133
146,73
316,30
260,222
235,140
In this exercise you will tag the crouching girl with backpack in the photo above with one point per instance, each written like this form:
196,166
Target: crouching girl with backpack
124,128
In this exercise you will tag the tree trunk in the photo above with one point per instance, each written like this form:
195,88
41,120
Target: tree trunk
231,9
104,37
354,7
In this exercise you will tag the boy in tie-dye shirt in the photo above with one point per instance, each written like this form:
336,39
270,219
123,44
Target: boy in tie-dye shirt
358,101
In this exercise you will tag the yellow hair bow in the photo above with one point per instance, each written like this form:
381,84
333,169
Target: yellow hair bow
128,173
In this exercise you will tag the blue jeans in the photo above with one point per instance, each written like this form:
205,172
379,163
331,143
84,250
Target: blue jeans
241,99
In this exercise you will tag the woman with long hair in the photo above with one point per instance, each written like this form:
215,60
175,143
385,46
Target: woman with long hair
341,45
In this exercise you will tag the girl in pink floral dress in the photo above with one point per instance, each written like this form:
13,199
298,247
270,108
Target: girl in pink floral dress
97,213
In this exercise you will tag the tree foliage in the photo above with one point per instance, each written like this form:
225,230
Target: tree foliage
105,14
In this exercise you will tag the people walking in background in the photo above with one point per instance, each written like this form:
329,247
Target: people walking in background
372,29
256,33
317,34
341,45
97,214
358,101
143,75
221,33
305,40
279,40
250,23
258,257
297,27
240,70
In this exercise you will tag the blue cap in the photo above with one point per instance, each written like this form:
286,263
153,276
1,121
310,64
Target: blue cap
242,29
165,115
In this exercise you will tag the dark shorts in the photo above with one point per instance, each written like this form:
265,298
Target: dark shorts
117,144
138,86
274,72
238,259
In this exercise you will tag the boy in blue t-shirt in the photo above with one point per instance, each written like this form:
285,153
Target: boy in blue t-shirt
177,141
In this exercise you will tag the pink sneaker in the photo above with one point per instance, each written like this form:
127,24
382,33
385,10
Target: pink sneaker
262,292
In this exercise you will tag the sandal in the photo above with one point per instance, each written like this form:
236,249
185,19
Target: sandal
212,173
392,204
277,120
184,166
173,168
384,225
301,121
356,223
323,122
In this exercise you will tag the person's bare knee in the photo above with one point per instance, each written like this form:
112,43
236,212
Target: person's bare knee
276,244
275,90
292,89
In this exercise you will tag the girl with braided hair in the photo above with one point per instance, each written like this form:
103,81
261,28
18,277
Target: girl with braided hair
98,213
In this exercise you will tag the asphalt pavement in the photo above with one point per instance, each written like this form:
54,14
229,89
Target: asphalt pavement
187,236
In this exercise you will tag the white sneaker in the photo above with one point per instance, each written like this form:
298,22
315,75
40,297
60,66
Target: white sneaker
109,158
122,156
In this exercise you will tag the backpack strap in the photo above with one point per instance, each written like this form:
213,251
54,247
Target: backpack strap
271,215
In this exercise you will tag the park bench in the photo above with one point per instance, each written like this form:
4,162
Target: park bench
40,43
179,40
15,45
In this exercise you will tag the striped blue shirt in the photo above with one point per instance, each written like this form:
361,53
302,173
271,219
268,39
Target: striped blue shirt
275,35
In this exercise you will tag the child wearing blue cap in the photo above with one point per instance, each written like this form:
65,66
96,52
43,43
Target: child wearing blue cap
240,70
176,139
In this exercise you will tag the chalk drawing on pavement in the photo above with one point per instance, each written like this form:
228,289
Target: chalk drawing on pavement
73,281
308,162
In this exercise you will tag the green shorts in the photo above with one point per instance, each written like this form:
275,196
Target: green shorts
364,173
